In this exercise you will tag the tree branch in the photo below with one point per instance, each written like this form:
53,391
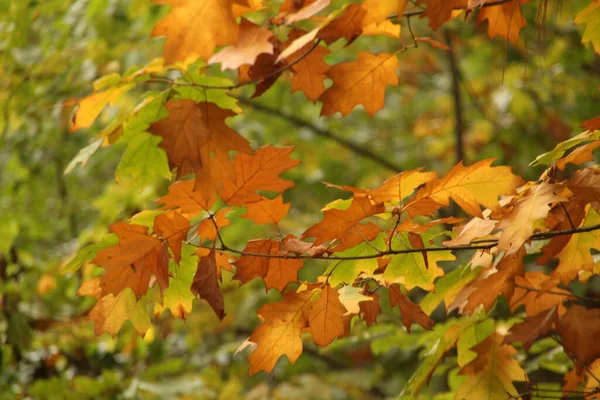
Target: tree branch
292,119
458,108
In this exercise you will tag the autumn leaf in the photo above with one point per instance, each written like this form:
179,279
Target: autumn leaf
133,261
174,227
576,256
504,20
276,271
178,297
205,283
281,331
337,222
240,7
192,131
591,124
534,326
253,40
267,211
190,202
410,311
470,187
369,310
376,20
440,11
362,81
349,25
265,71
519,223
585,185
591,17
207,229
290,12
491,374
476,228
325,318
356,236
310,72
91,106
258,172
579,156
195,27
579,329
538,292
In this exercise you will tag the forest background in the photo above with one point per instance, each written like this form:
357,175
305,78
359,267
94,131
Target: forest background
461,96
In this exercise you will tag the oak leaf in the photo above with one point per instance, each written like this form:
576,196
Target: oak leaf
253,40
362,81
504,20
561,218
356,236
178,297
240,7
491,374
192,131
111,311
579,156
538,292
205,283
132,262
576,256
527,208
310,72
349,25
369,310
585,185
440,11
591,17
267,211
579,329
410,311
293,10
91,106
325,318
528,331
265,71
476,228
337,222
352,297
173,227
281,331
195,27
258,172
190,202
470,187
207,229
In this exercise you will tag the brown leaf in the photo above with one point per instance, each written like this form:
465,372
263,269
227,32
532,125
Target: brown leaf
192,131
585,185
360,82
292,244
195,27
253,40
592,124
440,11
337,222
410,311
173,227
528,331
349,25
369,310
325,318
538,292
133,261
265,71
579,329
205,283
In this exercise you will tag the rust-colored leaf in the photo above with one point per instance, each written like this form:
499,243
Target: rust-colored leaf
267,211
579,329
535,326
205,283
173,227
369,310
410,311
310,72
325,318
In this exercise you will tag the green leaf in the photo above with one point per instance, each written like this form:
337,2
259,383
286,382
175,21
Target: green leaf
84,155
561,148
348,271
147,112
471,337
412,269
591,17
89,252
178,296
217,96
143,160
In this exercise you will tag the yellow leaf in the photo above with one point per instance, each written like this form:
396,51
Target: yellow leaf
91,106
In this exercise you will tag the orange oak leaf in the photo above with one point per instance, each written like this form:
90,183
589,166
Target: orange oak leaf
360,82
195,27
207,229
349,25
192,131
491,283
276,272
241,7
281,331
265,71
259,171
440,11
585,185
476,228
410,311
337,222
519,223
310,72
369,310
253,41
91,106
578,156
133,261
470,187
205,283
561,218
579,329
376,19
267,211
576,256
528,331
325,318
538,292
492,373
356,236
173,227
182,195
504,20
291,244
591,124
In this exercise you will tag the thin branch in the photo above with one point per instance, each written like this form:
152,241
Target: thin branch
292,119
459,128
537,236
